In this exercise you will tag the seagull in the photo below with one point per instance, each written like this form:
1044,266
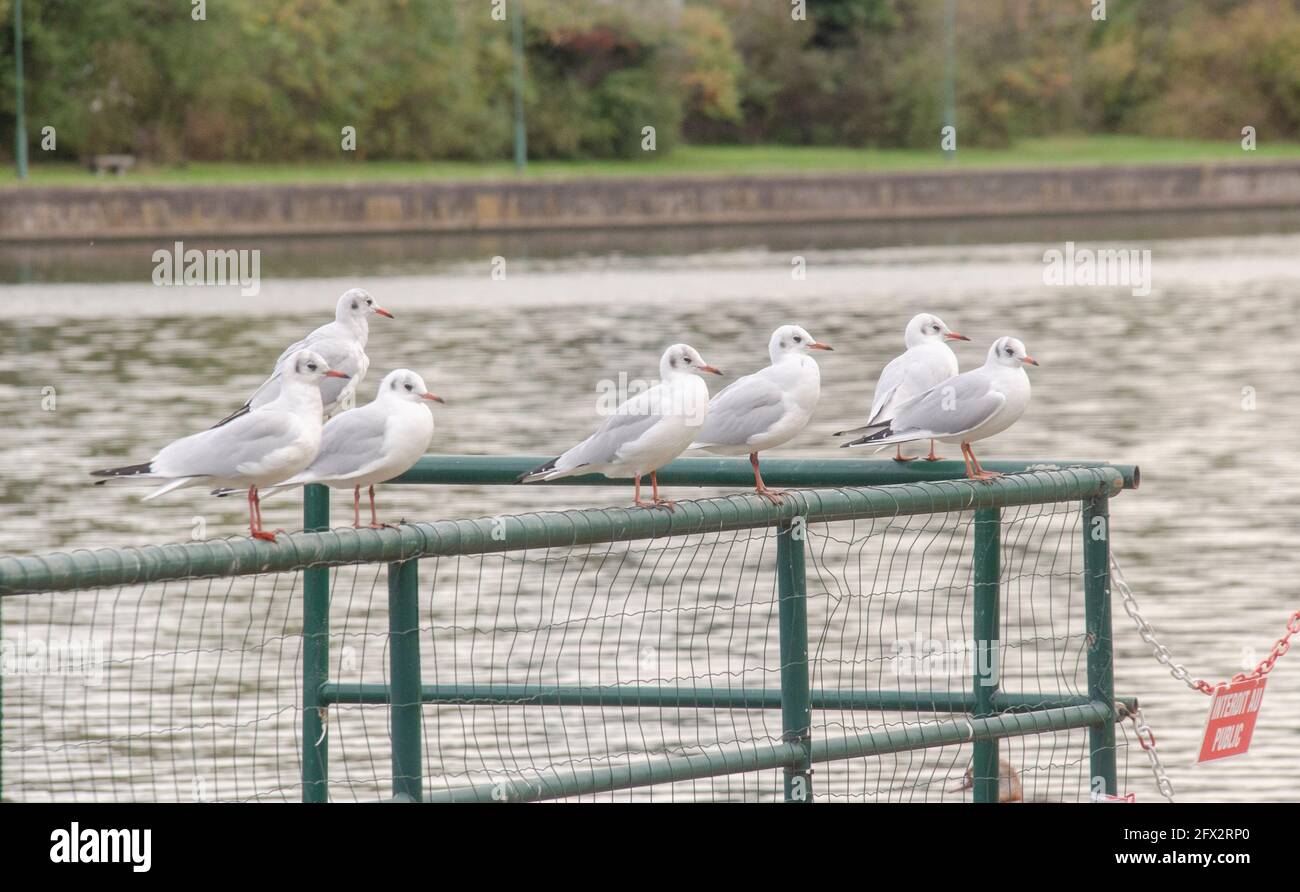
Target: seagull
341,343
768,408
373,443
968,407
927,361
264,446
645,432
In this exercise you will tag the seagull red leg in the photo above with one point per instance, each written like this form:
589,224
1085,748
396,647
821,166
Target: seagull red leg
636,499
255,517
760,487
980,473
899,456
932,456
659,502
374,519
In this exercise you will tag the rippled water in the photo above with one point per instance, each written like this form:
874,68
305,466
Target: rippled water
1196,382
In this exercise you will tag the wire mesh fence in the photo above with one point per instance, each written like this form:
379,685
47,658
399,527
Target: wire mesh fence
563,658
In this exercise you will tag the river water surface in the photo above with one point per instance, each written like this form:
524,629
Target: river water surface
1195,382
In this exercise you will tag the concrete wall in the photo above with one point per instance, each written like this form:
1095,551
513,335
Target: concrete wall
123,211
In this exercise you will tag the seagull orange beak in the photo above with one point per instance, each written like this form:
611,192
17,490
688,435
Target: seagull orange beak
1029,360
334,373
382,312
433,397
956,336
709,368
965,785
818,345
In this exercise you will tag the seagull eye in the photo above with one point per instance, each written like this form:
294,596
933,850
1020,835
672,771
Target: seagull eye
311,366
798,339
686,359
409,387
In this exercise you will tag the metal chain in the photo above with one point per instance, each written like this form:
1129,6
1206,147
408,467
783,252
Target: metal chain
1178,670
1148,632
1147,738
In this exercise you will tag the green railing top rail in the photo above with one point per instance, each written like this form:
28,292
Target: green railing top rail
108,567
787,473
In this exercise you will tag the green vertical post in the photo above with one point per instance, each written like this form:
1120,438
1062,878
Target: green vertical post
950,71
20,124
1101,667
796,696
988,568
315,653
517,37
404,680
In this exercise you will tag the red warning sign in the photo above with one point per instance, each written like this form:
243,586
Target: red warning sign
1233,711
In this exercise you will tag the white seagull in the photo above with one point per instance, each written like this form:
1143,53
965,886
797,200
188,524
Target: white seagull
927,361
260,448
645,432
768,408
971,406
373,443
341,343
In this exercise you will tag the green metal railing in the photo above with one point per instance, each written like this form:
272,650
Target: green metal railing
827,491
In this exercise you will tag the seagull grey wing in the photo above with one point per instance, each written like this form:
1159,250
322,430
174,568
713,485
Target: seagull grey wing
227,450
891,378
744,409
351,445
955,406
603,446
343,356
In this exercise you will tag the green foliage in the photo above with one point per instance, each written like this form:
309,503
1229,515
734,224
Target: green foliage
276,81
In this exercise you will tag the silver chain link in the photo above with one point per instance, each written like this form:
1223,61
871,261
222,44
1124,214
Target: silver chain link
1146,630
1147,738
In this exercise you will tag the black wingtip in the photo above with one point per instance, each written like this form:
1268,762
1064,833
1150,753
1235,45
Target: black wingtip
523,478
125,471
242,410
870,438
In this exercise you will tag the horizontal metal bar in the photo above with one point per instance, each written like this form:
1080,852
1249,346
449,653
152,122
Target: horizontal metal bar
295,551
792,473
558,783
696,698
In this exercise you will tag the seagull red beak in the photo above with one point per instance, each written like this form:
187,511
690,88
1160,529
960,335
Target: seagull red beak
963,786
433,397
382,312
956,336
818,345
1029,360
711,369
334,373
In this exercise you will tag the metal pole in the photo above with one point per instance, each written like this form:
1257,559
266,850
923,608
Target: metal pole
315,653
404,676
1101,667
521,133
796,698
984,765
950,72
20,125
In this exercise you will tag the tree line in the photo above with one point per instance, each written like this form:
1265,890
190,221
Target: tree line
278,80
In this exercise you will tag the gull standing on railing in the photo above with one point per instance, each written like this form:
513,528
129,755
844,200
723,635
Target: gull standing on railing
373,443
341,343
646,432
927,361
259,448
768,408
972,406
